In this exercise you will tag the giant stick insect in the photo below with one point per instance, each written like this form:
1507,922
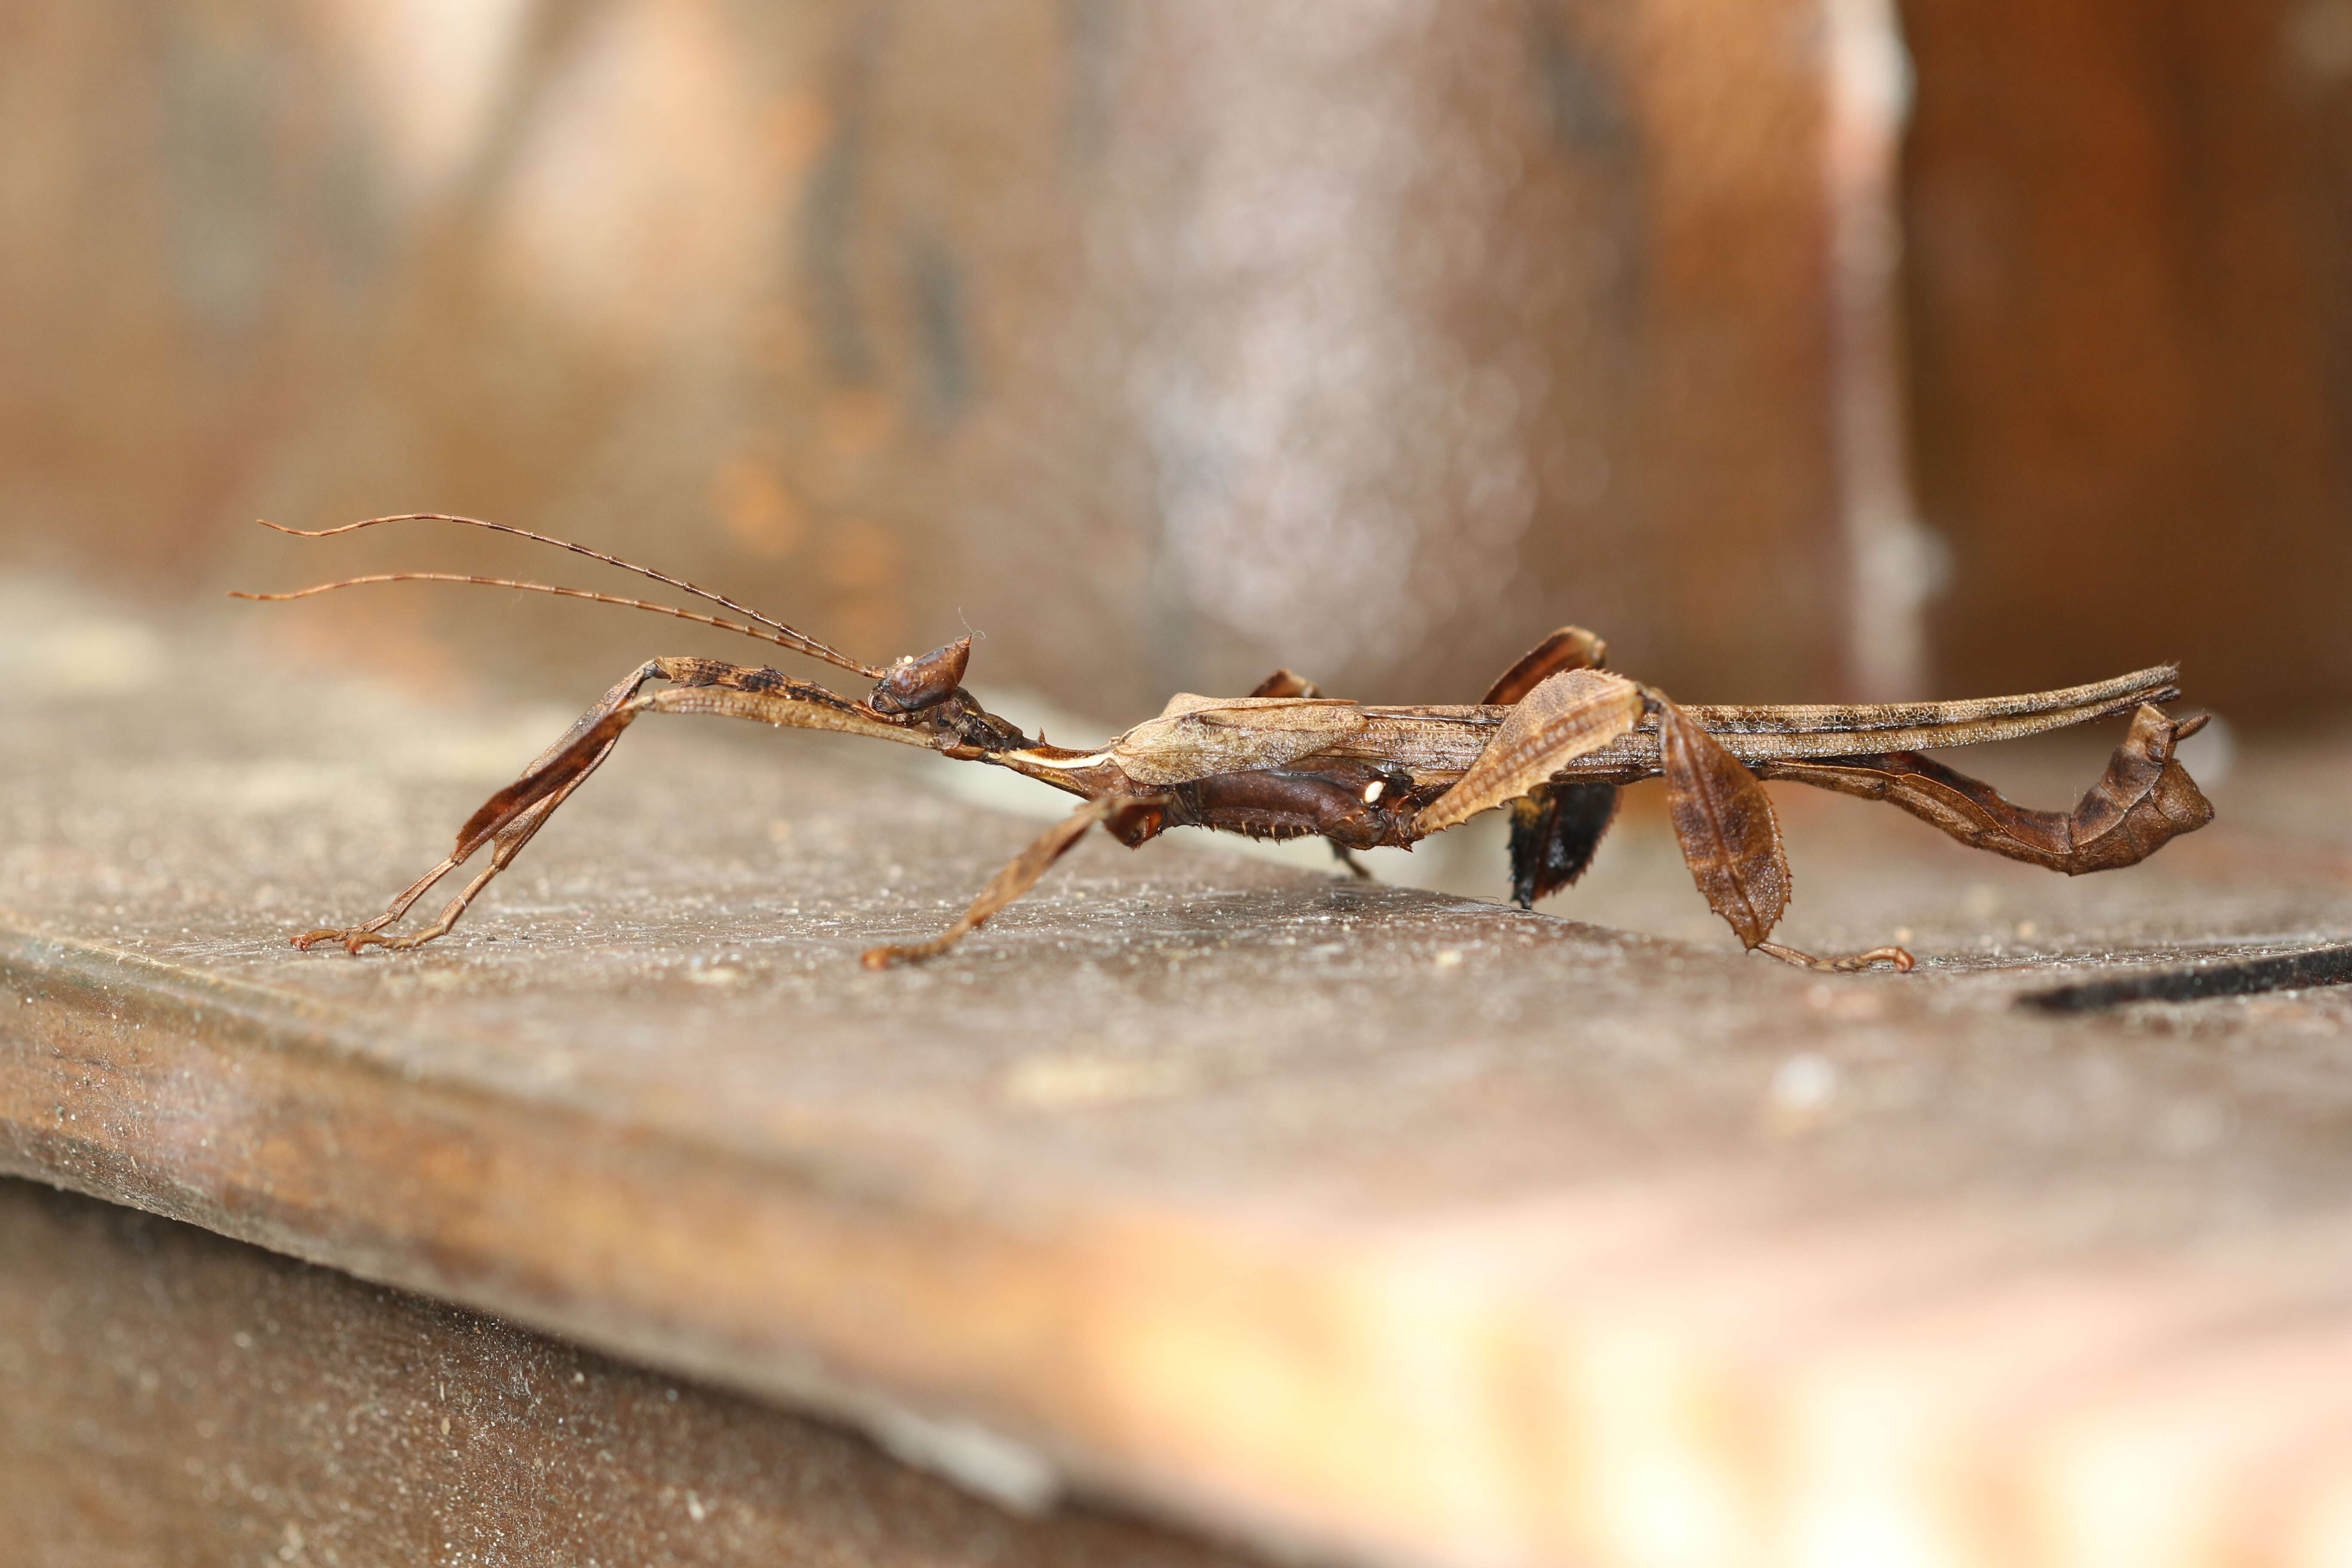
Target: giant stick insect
1553,740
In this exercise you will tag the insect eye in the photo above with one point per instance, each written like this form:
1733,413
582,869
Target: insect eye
914,684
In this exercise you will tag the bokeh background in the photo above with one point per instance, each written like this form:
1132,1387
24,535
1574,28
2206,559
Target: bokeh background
1805,348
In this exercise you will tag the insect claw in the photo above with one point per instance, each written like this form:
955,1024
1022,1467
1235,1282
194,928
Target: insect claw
354,938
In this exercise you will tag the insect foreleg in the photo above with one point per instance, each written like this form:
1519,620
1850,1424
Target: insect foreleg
506,822
505,845
354,938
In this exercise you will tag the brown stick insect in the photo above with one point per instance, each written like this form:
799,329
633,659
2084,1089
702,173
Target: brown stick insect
1552,741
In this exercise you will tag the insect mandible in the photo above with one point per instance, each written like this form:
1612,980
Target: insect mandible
1552,741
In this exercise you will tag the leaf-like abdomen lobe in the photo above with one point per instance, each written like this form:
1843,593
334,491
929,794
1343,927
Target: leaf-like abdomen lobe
1240,734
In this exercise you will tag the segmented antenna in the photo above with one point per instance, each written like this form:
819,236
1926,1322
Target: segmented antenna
778,633
763,632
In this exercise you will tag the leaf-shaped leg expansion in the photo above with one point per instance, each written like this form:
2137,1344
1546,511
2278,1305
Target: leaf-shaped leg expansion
1731,841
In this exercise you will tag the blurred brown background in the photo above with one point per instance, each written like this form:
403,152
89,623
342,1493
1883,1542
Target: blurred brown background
1164,343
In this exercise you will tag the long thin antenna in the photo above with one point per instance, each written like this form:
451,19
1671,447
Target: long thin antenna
800,642
594,597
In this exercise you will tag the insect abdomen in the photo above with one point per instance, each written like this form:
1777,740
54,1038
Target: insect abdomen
1271,804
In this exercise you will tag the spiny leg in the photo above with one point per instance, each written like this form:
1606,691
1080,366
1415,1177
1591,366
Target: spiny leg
1008,884
1356,868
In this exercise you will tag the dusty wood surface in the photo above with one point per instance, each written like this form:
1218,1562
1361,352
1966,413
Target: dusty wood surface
1360,1216
168,1397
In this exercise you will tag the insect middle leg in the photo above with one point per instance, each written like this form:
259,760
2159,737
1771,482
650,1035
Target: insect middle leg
1013,880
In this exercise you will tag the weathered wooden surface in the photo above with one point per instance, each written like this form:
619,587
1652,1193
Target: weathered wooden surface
169,1398
1354,1215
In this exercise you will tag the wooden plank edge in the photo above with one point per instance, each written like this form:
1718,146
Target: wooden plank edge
1452,1390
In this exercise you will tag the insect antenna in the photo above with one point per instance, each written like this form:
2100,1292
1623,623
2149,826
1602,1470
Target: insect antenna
778,633
786,637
